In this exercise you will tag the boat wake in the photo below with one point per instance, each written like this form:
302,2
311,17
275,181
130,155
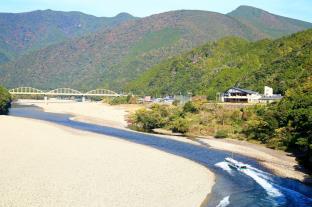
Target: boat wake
261,178
260,173
224,202
263,182
225,167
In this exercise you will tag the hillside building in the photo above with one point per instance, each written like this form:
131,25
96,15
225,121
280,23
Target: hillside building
269,96
239,95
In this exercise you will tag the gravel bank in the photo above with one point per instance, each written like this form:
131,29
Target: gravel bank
43,164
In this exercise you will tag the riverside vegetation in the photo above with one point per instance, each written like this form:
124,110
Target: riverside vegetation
129,99
285,125
5,101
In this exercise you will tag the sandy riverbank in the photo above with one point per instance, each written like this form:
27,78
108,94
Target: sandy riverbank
92,112
281,163
44,164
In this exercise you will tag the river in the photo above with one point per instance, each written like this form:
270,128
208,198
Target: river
254,186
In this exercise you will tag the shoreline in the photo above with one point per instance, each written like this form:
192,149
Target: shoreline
280,163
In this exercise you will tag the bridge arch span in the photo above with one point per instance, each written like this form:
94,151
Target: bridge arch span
64,91
26,91
101,92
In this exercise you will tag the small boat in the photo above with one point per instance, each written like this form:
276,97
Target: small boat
235,164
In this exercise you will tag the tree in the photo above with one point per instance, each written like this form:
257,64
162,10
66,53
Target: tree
5,101
189,107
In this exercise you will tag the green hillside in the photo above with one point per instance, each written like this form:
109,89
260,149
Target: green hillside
266,24
25,32
112,58
232,61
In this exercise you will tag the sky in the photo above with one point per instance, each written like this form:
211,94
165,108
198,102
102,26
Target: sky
299,9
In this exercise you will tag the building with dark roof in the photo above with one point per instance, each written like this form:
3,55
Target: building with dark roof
239,95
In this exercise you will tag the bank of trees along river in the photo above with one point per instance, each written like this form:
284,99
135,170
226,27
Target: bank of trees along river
286,125
5,101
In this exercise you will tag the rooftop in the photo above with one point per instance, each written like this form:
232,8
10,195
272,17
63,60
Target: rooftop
245,90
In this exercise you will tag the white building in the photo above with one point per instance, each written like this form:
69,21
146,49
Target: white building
269,96
268,91
238,95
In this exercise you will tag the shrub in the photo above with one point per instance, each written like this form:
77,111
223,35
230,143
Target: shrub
123,100
118,100
236,117
189,107
180,125
221,134
5,101
146,120
176,102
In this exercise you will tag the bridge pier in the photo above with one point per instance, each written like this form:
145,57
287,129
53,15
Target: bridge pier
45,99
83,99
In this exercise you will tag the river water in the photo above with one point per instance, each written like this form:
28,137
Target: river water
254,186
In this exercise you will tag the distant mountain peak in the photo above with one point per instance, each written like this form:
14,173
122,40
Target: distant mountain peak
124,15
247,10
53,12
246,7
266,24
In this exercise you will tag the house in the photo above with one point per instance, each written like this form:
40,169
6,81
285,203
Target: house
238,95
147,99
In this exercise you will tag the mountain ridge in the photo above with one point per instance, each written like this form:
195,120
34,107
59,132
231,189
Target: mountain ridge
228,62
29,31
111,58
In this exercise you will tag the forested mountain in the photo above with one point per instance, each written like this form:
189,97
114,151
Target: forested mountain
112,58
265,24
25,32
232,61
